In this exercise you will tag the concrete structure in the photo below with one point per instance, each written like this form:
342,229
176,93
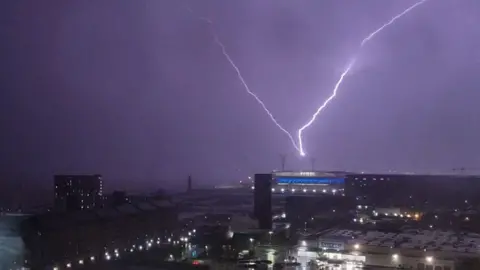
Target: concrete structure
262,201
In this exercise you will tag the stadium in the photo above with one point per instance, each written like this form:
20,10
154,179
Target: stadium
308,183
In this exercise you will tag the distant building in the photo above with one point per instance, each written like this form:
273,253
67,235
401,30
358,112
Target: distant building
414,190
77,192
116,198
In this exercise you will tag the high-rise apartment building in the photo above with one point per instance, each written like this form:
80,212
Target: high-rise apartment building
78,192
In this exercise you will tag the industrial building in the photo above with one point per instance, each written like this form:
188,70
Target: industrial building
407,249
300,194
417,191
414,190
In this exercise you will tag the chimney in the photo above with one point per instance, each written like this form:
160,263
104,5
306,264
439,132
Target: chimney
189,183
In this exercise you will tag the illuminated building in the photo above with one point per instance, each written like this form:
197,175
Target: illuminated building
308,183
78,192
299,195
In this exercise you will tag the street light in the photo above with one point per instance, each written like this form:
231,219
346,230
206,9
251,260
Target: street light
270,236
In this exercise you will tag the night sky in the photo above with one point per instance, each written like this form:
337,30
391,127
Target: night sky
139,92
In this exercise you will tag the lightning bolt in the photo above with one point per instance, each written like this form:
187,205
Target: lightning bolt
240,77
242,80
345,73
320,109
374,33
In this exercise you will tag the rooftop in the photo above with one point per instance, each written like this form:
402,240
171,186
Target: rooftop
431,240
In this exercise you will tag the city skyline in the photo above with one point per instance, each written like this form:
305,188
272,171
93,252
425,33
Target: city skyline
141,94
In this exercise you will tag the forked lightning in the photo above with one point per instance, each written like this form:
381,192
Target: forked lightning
242,80
300,146
345,73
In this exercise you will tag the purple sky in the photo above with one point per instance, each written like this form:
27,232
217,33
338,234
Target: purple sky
139,92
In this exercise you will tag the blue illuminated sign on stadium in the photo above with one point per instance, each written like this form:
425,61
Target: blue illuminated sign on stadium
309,181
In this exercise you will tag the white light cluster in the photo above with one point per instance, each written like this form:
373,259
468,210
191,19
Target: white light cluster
405,215
358,220
304,190
116,252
